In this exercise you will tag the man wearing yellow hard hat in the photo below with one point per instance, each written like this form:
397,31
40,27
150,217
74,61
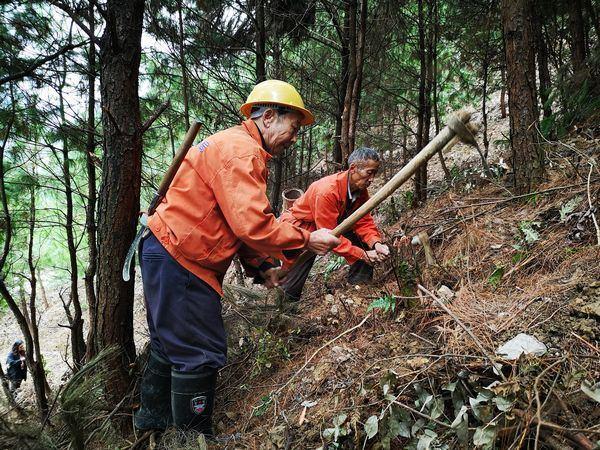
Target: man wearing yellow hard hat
216,207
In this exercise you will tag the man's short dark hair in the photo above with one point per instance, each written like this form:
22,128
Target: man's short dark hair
363,154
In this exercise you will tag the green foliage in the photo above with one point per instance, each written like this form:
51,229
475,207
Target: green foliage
569,207
83,396
386,303
265,403
453,405
269,348
339,430
333,264
496,276
518,257
529,231
406,277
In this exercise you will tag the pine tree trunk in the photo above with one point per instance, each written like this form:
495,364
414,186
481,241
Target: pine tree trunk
261,37
421,175
527,155
184,75
34,355
357,87
76,318
503,93
33,358
338,154
119,200
577,36
90,210
542,62
351,39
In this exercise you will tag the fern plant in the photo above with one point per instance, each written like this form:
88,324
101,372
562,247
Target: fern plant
386,303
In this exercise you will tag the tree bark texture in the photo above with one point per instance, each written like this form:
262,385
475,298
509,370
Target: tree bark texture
357,87
420,179
90,209
355,45
261,37
527,155
503,93
76,318
184,73
542,61
119,199
577,36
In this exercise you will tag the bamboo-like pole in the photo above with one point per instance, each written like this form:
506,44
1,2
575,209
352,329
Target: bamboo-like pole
188,140
436,144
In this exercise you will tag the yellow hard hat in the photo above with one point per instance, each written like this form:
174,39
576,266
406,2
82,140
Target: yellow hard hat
277,93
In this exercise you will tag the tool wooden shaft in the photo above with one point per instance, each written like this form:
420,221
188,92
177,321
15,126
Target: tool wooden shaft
188,140
435,145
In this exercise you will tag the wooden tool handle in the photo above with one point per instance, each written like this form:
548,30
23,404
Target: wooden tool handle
435,145
188,140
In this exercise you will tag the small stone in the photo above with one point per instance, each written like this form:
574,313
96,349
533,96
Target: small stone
445,294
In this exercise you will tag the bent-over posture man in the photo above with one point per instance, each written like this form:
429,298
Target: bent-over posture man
326,203
215,208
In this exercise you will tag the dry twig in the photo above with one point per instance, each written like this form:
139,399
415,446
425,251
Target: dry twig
492,360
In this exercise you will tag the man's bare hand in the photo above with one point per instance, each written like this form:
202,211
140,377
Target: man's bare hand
373,257
382,250
399,242
321,241
271,277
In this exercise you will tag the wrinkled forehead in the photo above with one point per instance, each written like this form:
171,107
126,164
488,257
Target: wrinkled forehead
368,164
294,117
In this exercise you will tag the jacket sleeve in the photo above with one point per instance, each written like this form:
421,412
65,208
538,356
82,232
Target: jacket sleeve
366,229
254,263
240,190
325,212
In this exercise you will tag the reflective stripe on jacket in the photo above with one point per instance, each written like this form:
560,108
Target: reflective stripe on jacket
217,205
323,205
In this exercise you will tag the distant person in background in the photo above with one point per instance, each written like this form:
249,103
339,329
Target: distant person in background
16,367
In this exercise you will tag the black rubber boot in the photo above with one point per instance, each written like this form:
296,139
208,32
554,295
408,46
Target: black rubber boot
155,394
192,399
360,272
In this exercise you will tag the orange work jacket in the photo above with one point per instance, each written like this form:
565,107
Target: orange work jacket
322,206
217,206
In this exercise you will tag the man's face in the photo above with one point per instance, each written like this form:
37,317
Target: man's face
281,131
362,174
21,348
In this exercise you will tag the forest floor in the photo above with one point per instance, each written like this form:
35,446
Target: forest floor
350,365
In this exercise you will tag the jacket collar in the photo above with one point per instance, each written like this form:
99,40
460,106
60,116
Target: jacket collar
254,132
342,180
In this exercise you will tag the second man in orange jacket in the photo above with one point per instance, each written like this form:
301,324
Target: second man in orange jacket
326,203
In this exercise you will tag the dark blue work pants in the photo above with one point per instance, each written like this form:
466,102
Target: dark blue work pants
184,313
